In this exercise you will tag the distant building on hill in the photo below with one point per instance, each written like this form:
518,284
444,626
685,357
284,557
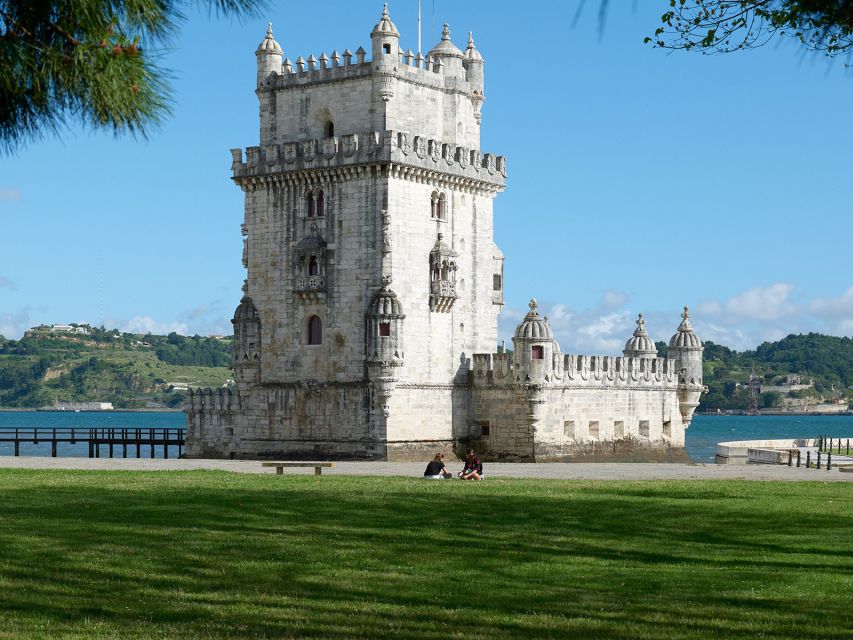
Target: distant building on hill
368,319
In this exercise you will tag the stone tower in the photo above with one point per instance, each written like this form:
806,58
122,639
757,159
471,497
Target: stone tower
372,274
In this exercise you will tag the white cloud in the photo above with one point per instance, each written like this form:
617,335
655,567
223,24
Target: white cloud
13,325
834,307
9,194
613,299
763,303
5,283
147,324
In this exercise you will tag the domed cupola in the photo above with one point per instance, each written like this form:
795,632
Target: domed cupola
534,347
640,345
451,57
685,338
268,56
268,45
534,327
385,38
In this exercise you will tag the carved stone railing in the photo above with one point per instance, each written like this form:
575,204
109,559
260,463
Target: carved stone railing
308,284
442,295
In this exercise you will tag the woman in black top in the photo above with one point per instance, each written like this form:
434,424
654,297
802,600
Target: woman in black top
473,467
436,470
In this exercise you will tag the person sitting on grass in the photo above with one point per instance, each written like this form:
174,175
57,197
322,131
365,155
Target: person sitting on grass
473,467
436,470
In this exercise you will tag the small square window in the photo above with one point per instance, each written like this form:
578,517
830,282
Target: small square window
644,428
537,352
385,329
496,282
593,429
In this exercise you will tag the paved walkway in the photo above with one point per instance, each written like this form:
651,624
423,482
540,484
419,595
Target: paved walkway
570,471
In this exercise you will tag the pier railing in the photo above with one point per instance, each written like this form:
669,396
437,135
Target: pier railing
108,441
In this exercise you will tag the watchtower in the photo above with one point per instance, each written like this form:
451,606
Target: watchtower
372,275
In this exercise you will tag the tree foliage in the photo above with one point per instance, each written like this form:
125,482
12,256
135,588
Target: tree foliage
92,61
722,26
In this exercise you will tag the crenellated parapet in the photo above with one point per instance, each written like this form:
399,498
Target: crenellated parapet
413,157
337,67
211,401
577,371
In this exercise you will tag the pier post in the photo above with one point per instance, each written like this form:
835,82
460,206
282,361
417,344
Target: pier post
798,458
829,461
111,435
818,459
73,439
808,459
17,443
166,444
151,441
53,445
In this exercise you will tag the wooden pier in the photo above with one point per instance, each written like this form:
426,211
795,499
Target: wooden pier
113,440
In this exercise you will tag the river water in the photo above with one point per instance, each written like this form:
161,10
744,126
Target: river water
702,436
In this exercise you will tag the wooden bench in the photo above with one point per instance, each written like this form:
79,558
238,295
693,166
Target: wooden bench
279,466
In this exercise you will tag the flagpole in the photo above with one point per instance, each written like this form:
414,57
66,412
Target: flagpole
419,26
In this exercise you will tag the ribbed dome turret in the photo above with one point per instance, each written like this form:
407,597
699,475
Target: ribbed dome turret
384,27
685,338
471,53
640,345
268,45
386,305
446,48
534,327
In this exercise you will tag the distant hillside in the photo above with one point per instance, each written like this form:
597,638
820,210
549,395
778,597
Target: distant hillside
135,371
129,370
799,370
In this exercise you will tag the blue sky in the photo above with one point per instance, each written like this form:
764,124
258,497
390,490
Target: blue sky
638,180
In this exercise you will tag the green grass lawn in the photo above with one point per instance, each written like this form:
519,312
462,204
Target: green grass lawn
218,555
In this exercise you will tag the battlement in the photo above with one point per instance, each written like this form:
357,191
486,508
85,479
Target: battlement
221,400
337,67
374,147
576,370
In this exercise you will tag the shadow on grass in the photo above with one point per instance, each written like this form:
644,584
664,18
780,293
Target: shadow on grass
221,555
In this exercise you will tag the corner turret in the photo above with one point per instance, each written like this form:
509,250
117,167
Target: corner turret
269,55
247,341
535,349
473,64
685,348
386,40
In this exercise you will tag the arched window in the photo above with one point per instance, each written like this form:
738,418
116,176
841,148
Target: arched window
537,352
300,266
442,207
433,205
315,330
386,48
329,129
309,203
313,266
320,204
